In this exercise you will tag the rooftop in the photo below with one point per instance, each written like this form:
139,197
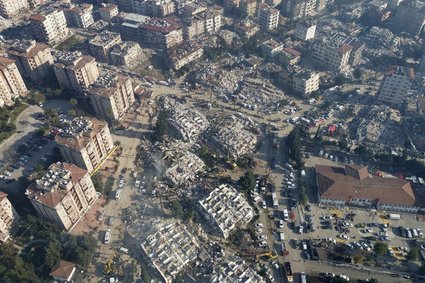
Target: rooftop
64,269
163,25
105,37
26,48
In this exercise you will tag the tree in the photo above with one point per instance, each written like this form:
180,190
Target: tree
413,254
380,248
247,181
177,208
339,80
53,255
161,127
74,103
357,73
294,144
72,113
358,258
39,98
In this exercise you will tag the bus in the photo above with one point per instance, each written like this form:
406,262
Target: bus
275,202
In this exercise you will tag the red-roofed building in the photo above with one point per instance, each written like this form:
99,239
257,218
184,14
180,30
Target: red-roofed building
63,271
63,195
353,185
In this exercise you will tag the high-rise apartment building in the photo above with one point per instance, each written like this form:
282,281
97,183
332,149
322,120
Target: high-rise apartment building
10,8
8,217
107,12
305,31
111,96
394,86
296,9
86,142
11,83
34,60
268,17
162,32
248,8
102,43
305,82
332,53
161,8
49,25
80,16
63,195
75,71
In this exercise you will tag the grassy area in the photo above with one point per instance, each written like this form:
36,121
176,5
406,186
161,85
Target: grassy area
71,42
8,117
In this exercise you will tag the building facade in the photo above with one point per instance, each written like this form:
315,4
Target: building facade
162,33
34,60
8,217
111,96
11,83
86,143
410,17
296,9
108,11
268,17
332,54
305,31
127,53
10,8
394,87
101,45
75,71
305,82
80,16
49,26
63,195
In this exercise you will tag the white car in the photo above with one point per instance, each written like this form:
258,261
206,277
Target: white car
369,230
344,237
383,234
264,204
137,183
348,224
260,225
261,237
262,244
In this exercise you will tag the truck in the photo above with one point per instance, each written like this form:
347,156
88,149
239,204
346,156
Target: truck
274,199
393,216
282,236
288,271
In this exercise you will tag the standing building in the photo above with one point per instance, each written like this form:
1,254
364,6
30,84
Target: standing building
101,45
162,33
80,16
107,12
333,54
296,9
34,60
111,96
395,85
305,82
130,27
184,54
410,17
8,217
63,195
305,31
127,53
10,8
74,71
49,26
248,8
86,142
11,83
268,17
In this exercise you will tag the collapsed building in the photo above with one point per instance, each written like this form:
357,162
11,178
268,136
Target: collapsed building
187,123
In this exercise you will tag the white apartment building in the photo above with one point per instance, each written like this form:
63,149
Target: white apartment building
335,55
86,142
127,53
268,17
34,60
80,16
49,26
305,31
102,43
10,8
63,195
394,87
8,217
11,83
111,96
75,71
305,82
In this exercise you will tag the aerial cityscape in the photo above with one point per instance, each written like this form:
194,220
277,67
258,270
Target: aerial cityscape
201,141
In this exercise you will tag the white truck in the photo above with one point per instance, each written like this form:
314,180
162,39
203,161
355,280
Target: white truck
282,236
393,216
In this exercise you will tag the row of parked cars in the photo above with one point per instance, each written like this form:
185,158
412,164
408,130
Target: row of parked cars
411,232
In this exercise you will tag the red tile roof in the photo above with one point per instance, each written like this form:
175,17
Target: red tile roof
335,183
64,269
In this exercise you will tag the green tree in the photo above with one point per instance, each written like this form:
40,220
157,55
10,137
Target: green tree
72,113
357,73
339,80
74,103
57,92
380,248
177,208
247,181
413,254
294,144
358,258
161,127
39,98
53,255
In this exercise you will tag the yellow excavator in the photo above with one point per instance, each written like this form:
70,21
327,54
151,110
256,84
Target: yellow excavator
109,268
267,255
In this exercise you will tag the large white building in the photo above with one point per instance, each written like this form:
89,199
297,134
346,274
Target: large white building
11,83
335,55
8,217
305,82
86,142
267,17
305,31
394,87
49,26
63,195
227,209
